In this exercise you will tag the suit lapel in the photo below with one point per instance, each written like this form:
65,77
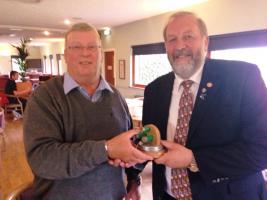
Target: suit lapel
206,95
164,103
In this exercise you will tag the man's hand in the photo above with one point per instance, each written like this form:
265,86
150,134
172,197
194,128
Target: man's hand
121,148
177,155
117,162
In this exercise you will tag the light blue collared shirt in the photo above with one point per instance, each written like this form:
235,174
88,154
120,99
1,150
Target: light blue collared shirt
70,84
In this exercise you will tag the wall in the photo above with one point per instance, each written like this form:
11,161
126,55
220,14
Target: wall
58,48
53,49
221,16
34,52
5,56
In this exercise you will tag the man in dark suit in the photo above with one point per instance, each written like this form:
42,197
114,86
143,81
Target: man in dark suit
225,146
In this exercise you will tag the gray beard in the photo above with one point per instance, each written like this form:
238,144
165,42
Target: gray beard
185,71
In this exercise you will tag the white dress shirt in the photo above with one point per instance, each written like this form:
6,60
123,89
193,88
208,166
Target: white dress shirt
173,112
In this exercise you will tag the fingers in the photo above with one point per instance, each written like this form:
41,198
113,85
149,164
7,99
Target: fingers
120,147
135,156
127,165
140,156
111,162
119,163
167,144
131,133
114,162
161,160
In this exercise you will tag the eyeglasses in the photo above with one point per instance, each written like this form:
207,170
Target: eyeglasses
80,48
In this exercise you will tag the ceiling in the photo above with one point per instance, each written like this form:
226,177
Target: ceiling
30,18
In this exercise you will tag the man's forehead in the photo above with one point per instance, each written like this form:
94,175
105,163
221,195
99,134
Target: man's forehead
182,25
82,36
75,34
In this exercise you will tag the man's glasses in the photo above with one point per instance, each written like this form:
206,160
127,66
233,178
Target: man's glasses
80,48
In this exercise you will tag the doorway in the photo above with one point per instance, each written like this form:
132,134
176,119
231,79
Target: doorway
109,67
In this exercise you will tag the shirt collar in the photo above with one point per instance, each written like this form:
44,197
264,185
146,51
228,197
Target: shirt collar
70,84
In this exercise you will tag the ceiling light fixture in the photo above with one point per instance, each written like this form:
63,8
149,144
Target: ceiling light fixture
107,31
67,22
46,33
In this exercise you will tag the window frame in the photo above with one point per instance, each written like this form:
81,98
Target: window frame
145,49
256,38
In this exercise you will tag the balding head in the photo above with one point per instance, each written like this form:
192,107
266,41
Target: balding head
200,23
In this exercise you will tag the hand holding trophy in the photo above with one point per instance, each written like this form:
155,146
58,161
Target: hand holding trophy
148,141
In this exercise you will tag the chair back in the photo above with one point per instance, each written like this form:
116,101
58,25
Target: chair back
3,99
3,80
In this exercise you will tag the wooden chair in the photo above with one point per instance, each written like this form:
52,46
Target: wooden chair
23,192
3,80
13,106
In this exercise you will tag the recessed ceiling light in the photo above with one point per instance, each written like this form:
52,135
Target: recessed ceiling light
67,22
46,33
12,35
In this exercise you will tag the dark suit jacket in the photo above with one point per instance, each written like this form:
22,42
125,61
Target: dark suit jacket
227,134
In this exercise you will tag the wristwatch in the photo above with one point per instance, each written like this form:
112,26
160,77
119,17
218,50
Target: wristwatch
193,165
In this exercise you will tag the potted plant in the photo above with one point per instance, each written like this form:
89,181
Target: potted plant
22,55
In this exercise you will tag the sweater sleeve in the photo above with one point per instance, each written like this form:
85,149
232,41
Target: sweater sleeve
48,153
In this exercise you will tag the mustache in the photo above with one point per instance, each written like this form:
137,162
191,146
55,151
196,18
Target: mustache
181,52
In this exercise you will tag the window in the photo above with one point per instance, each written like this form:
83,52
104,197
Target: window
14,64
149,62
252,55
250,46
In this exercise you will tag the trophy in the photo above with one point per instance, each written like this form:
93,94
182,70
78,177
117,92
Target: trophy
148,141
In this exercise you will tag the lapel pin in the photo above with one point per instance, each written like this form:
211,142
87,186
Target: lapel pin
209,84
203,96
204,90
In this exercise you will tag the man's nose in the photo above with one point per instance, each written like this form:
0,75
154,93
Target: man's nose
86,51
180,44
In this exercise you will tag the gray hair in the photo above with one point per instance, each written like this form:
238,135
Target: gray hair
81,27
200,23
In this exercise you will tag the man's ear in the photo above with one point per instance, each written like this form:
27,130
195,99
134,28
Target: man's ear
206,43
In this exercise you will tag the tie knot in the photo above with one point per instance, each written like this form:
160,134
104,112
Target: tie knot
187,84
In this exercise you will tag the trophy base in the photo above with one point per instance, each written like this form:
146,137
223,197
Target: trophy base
154,151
